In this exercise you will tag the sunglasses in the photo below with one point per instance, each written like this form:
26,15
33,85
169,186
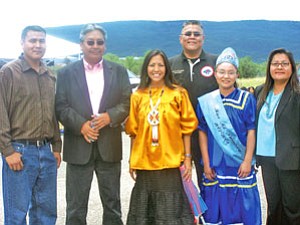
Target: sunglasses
189,33
92,42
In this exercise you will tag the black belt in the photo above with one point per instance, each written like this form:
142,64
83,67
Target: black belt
37,143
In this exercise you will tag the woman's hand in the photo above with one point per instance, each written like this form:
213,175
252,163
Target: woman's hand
187,174
132,173
245,169
209,173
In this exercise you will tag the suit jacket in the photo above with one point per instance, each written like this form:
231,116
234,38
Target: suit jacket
287,128
73,109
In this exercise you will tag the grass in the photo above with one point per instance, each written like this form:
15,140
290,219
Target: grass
247,82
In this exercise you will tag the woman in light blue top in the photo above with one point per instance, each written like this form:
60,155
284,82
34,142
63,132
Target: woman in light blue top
278,138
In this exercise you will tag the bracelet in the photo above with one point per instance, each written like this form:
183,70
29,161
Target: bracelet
188,155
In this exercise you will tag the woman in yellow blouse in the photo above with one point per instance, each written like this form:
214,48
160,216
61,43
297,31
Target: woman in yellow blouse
160,123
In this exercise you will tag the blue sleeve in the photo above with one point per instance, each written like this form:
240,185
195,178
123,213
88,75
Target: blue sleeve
250,112
202,125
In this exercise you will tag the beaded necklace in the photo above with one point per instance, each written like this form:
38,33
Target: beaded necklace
153,117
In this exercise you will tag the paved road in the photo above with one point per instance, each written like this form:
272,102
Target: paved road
95,209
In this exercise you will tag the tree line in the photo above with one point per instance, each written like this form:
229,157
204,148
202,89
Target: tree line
247,67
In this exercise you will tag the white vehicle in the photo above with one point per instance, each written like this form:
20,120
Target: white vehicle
134,80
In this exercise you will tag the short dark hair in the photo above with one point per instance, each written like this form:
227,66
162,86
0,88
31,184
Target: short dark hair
192,22
31,28
91,27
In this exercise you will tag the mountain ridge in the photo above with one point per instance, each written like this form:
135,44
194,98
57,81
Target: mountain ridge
253,38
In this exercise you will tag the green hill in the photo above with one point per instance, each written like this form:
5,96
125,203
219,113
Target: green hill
254,38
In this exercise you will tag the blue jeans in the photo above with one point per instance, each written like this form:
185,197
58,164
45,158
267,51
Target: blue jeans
32,189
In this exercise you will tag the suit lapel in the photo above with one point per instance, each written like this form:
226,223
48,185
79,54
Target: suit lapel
107,74
283,101
79,76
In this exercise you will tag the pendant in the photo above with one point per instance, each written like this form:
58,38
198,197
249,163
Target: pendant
154,136
153,120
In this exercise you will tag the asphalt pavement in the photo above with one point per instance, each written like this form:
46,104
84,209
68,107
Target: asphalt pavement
94,216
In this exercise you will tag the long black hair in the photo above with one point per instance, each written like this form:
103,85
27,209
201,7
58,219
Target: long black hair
269,82
145,80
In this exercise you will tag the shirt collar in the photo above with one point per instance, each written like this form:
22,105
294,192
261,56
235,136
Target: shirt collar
96,68
25,65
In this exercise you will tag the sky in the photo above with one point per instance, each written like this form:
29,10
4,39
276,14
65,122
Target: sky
68,12
16,14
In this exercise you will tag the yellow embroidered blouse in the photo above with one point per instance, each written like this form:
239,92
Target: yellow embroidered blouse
176,117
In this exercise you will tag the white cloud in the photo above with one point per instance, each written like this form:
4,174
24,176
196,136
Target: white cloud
66,12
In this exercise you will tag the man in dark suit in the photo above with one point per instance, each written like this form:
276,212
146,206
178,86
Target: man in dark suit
92,100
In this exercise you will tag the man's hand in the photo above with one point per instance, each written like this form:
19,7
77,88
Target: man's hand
14,161
101,120
57,156
89,132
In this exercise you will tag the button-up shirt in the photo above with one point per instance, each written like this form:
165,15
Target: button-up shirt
27,105
95,83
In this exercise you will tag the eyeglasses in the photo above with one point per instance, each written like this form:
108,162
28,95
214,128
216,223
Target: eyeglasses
189,33
36,40
92,42
223,73
282,64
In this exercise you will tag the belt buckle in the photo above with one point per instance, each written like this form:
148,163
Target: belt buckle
40,143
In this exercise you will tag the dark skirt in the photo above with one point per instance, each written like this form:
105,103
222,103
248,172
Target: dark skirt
158,198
